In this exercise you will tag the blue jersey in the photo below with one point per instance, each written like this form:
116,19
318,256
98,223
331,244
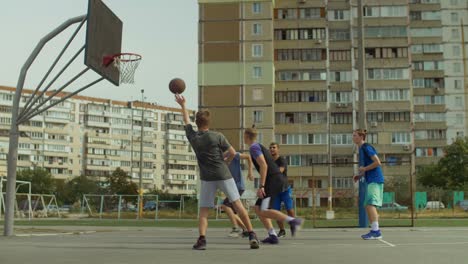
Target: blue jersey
235,168
366,151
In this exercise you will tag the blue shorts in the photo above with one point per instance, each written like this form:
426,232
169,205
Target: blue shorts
284,197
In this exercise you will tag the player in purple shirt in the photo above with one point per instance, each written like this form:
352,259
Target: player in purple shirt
272,183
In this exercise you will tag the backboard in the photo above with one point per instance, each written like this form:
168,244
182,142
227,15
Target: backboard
103,38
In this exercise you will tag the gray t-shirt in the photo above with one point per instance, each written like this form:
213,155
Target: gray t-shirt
209,147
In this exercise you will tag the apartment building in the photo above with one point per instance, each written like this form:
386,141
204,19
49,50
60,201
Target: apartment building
94,136
310,46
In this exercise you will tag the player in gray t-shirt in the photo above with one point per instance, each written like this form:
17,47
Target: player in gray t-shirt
209,147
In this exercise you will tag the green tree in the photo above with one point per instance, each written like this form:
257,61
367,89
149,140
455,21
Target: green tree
75,188
451,171
454,164
41,181
430,176
119,183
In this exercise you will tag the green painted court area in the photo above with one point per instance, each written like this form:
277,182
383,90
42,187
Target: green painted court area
155,244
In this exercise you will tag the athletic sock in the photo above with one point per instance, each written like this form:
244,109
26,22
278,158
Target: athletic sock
375,226
289,218
272,232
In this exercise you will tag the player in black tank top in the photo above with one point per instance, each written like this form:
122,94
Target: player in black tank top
271,184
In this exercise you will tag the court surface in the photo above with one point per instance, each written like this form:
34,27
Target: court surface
173,245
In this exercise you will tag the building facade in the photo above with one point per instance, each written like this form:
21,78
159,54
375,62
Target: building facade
415,81
93,137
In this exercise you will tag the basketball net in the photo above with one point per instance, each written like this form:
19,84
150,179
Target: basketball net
127,63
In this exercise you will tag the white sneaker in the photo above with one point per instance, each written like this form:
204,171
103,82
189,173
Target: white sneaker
235,232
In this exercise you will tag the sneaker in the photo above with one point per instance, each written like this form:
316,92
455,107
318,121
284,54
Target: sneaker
253,240
200,245
295,225
235,232
245,233
271,239
372,235
282,233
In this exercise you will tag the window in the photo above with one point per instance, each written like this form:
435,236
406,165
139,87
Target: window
372,138
426,32
340,76
286,13
388,95
341,139
458,101
343,183
455,33
310,13
256,8
454,17
338,15
387,74
257,94
339,34
401,138
314,184
430,134
378,32
457,67
459,118
429,152
257,29
257,72
258,116
341,118
300,96
457,84
257,50
456,50
340,55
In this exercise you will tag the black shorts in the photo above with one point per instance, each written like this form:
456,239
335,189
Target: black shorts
273,187
228,203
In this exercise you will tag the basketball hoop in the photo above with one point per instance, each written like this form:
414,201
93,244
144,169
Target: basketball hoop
126,63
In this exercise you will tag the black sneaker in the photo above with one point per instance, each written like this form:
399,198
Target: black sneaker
245,233
282,233
271,239
253,241
295,225
200,245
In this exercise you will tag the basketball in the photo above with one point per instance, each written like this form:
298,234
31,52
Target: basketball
177,86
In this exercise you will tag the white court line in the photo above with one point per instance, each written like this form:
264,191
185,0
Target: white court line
56,234
385,242
434,243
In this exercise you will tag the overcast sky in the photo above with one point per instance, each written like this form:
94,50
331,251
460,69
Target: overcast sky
163,32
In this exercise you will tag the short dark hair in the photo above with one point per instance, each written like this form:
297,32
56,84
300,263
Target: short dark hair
274,144
202,118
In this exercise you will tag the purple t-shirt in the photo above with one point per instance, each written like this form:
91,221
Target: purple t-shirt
255,150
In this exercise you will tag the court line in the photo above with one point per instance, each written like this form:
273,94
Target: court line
56,234
385,242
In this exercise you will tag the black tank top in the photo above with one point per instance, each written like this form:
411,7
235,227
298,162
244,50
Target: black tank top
274,175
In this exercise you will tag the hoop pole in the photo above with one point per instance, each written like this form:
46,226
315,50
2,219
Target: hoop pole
27,111
55,62
35,111
14,131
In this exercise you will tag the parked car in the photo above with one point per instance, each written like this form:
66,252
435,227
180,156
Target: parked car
463,205
149,206
435,205
393,207
52,208
65,208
